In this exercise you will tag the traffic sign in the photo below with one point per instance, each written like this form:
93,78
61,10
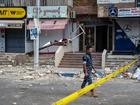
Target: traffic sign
113,11
33,33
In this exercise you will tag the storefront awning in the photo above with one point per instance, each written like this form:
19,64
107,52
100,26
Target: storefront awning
50,24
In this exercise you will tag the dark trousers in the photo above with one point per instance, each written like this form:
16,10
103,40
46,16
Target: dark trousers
87,79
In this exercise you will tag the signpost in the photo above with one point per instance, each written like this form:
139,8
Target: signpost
36,41
33,33
112,11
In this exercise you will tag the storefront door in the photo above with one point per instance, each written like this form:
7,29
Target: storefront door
88,38
104,37
15,40
99,37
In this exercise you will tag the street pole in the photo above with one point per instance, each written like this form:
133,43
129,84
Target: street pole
36,41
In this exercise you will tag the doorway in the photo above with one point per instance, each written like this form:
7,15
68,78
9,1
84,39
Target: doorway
88,38
15,40
104,36
99,37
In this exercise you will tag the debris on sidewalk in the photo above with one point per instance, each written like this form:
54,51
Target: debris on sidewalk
99,74
25,72
137,73
108,71
29,73
14,103
131,73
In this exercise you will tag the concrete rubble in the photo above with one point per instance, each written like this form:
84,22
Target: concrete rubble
25,72
29,73
131,73
137,74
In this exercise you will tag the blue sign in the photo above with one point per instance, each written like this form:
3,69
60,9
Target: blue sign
33,33
113,11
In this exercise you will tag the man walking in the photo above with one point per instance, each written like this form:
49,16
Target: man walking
87,69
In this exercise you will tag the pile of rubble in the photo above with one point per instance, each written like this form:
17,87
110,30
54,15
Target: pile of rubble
25,72
29,73
131,73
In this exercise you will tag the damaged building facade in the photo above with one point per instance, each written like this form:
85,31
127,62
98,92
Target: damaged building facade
12,29
98,31
109,25
55,24
105,24
124,15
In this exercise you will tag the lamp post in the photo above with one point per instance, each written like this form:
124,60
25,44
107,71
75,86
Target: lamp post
36,41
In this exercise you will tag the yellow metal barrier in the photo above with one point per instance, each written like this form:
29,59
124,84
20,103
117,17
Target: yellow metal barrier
77,94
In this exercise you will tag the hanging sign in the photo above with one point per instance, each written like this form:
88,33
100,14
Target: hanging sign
12,12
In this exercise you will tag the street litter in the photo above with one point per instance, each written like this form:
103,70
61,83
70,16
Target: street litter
136,75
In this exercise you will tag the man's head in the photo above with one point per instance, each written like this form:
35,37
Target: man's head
89,49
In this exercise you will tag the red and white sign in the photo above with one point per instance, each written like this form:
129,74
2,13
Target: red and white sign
114,1
107,1
127,1
129,12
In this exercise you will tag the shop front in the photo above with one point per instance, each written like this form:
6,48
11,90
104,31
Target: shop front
127,30
12,30
126,24
99,34
127,35
54,24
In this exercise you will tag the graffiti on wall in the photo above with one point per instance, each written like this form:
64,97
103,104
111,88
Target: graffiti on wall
127,35
132,30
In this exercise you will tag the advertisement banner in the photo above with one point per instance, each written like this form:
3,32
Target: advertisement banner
12,12
129,12
48,12
114,1
107,1
127,1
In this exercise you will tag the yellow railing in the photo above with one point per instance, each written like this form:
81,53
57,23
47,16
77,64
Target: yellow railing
77,94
